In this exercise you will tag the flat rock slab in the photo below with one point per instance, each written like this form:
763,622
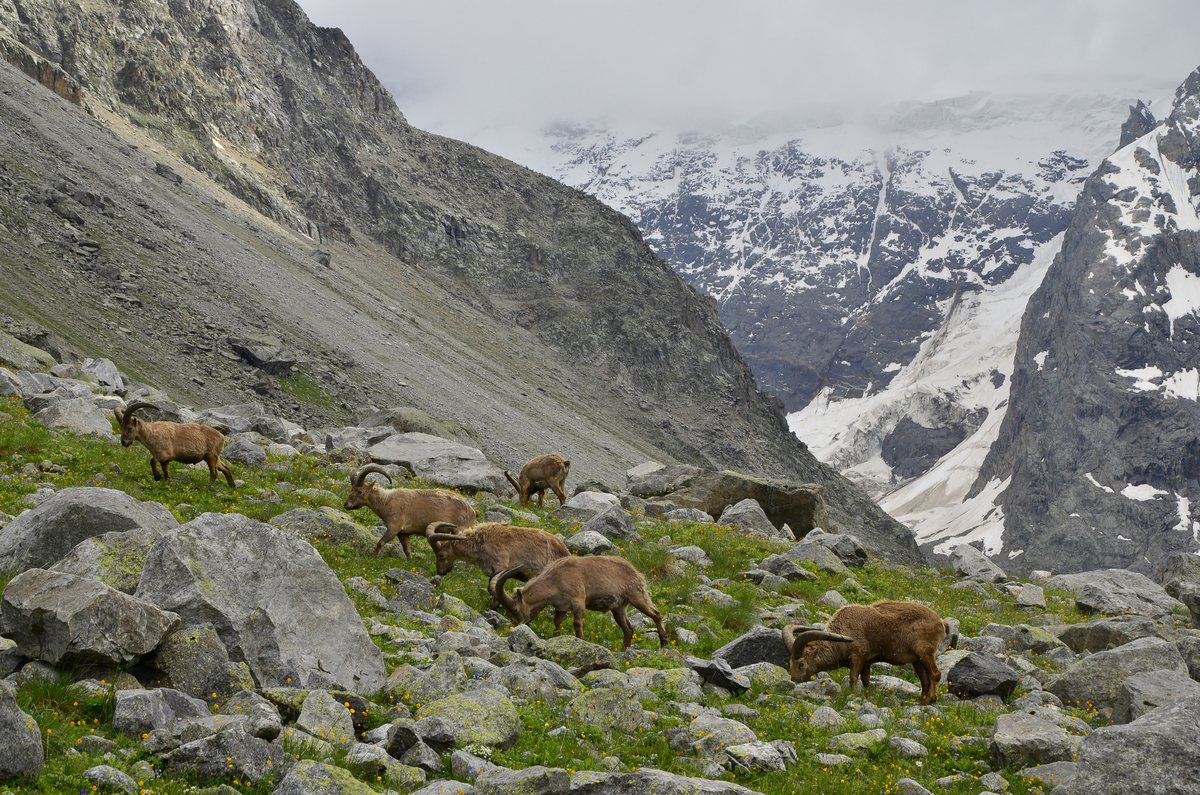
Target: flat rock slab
1116,591
276,605
1097,680
62,618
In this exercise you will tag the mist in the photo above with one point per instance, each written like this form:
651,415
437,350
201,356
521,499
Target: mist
457,66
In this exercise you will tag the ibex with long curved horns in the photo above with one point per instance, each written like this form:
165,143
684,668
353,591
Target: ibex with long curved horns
185,442
406,512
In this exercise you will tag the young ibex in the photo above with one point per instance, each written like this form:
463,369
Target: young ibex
496,547
406,512
185,442
576,584
859,635
546,471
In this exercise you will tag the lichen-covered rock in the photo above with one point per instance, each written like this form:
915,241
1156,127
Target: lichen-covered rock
376,762
1021,739
140,711
291,624
1106,633
1116,591
261,716
757,756
115,559
749,516
1147,690
21,739
317,778
61,618
819,555
573,654
711,734
857,742
197,663
846,546
1155,753
536,780
609,709
484,717
77,415
327,526
109,779
649,781
324,716
1096,680
589,542
230,752
44,535
613,523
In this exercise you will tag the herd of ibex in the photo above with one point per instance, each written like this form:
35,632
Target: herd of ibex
900,633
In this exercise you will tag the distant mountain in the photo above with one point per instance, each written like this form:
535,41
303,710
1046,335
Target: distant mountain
1097,462
872,272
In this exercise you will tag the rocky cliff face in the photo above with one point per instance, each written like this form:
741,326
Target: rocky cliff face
242,171
1098,460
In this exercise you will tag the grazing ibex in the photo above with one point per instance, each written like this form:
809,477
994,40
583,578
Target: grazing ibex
406,512
577,584
546,471
899,633
185,442
496,547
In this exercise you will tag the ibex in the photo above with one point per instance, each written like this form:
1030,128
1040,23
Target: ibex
185,442
577,584
496,547
859,635
546,471
406,512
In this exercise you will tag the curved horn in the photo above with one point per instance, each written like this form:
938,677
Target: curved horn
132,407
508,475
361,474
796,643
496,589
435,528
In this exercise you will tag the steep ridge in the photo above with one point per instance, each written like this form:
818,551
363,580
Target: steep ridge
1098,457
402,267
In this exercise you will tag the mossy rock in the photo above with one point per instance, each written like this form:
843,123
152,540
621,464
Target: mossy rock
315,778
610,709
483,717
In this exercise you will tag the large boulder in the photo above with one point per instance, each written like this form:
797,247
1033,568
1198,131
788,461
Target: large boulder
266,353
1097,679
45,534
846,546
977,674
819,555
748,515
1022,739
327,526
613,523
760,644
196,662
609,709
1100,634
165,709
274,602
974,565
484,717
649,781
440,461
230,752
1148,690
20,738
586,505
1155,753
61,618
115,559
317,778
1182,567
711,734
77,415
22,356
1116,591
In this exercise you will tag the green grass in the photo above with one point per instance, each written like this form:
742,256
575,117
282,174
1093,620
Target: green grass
306,390
954,739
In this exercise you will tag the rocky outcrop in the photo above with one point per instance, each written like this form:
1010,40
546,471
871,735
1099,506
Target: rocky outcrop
45,534
21,739
1096,456
274,602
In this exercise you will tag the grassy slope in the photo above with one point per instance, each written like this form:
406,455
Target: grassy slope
956,738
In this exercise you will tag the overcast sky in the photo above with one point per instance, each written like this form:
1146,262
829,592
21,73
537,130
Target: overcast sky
460,65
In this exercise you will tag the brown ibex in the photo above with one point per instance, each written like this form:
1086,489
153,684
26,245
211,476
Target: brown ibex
496,547
546,471
893,632
577,584
406,512
185,442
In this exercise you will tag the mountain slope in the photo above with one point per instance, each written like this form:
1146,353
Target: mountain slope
1098,457
456,281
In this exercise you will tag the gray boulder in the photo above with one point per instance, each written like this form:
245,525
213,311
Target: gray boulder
61,618
444,788
588,542
536,780
1116,591
327,526
140,711
748,515
787,568
649,781
1148,690
760,644
1189,594
1023,637
245,449
613,523
711,734
1155,753
197,663
486,717
1106,633
440,461
847,547
1049,775
21,739
587,504
819,555
1022,739
106,373
316,778
230,752
978,674
292,624
22,356
609,709
77,415
756,756
109,779
10,657
45,534
974,565
324,716
115,559
266,353
687,515
1176,569
1098,679
262,719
